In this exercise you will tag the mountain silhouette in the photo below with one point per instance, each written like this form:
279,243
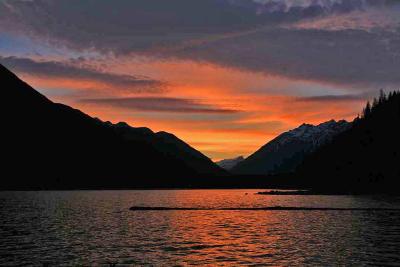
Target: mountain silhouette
363,159
168,144
285,152
46,145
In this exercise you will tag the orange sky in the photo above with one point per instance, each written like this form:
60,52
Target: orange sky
263,106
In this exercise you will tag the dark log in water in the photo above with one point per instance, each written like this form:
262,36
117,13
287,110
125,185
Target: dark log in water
261,209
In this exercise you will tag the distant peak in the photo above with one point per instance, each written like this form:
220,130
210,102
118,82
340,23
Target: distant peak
228,164
230,159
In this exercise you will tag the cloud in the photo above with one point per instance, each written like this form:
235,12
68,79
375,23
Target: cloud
55,69
127,26
124,26
242,34
333,98
340,57
325,5
383,19
159,104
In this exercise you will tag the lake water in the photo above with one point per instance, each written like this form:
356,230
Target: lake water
97,227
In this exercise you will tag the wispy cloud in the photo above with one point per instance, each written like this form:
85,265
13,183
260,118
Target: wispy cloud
159,104
55,69
333,98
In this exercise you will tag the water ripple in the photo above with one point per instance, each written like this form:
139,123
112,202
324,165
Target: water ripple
207,227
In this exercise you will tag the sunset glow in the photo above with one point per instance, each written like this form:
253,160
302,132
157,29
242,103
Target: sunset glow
196,85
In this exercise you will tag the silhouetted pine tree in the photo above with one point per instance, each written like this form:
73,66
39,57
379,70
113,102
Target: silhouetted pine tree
367,110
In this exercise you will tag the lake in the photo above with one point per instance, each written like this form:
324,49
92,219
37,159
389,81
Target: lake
97,227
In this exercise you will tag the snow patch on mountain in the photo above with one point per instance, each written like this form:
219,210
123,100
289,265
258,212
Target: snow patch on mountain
317,135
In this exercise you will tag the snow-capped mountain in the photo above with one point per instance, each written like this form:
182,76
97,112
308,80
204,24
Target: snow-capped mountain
228,164
286,152
316,135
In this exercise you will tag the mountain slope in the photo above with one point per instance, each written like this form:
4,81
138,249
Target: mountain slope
170,145
364,159
49,145
228,164
286,152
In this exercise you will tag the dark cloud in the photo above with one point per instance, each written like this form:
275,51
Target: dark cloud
234,33
348,56
125,26
55,69
333,98
137,26
159,104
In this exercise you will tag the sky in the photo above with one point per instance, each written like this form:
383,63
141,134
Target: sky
226,76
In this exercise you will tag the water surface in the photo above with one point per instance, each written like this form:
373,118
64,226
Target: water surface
97,227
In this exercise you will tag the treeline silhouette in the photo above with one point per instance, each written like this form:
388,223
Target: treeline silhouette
363,159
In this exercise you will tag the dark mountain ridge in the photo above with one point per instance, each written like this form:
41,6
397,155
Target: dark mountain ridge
167,144
46,145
